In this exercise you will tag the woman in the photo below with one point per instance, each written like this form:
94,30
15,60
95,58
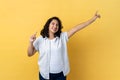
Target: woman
52,45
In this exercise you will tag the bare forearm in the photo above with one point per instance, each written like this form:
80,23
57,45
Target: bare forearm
30,50
82,25
85,24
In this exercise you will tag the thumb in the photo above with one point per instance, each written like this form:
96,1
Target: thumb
96,13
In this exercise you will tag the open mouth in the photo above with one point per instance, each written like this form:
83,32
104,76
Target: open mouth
54,29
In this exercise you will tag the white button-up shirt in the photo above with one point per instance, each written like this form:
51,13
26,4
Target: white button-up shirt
53,56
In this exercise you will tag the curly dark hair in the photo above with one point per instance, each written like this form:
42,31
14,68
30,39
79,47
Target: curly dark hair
45,30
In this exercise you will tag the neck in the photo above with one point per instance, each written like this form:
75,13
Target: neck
51,35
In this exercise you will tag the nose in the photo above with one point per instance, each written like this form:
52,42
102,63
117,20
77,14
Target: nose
55,26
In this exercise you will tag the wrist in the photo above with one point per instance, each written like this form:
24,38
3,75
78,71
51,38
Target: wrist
94,18
31,42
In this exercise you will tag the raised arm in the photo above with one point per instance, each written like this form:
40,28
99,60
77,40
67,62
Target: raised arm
82,25
31,50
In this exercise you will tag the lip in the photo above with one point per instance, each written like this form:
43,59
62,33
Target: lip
54,29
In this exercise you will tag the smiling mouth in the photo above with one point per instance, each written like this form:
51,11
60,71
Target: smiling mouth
54,29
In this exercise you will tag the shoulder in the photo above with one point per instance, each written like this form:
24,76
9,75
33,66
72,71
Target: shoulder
39,38
64,35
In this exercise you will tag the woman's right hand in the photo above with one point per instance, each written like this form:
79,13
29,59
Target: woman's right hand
33,38
31,50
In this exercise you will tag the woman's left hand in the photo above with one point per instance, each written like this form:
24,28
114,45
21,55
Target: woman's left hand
97,15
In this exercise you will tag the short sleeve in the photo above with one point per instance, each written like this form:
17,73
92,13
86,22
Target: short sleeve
36,43
64,35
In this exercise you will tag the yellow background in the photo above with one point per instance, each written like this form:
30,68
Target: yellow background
94,52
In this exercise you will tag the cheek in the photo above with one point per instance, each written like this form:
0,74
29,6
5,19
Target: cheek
58,28
50,27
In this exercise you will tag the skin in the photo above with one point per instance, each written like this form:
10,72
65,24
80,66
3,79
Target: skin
53,28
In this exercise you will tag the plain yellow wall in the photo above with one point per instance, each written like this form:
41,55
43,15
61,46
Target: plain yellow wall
94,52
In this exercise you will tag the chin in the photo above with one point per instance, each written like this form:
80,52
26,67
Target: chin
54,32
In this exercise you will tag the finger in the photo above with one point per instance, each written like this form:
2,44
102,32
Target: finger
96,11
35,34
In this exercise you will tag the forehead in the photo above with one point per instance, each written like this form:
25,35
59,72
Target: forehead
54,21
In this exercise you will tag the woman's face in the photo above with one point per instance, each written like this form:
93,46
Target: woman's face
53,26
